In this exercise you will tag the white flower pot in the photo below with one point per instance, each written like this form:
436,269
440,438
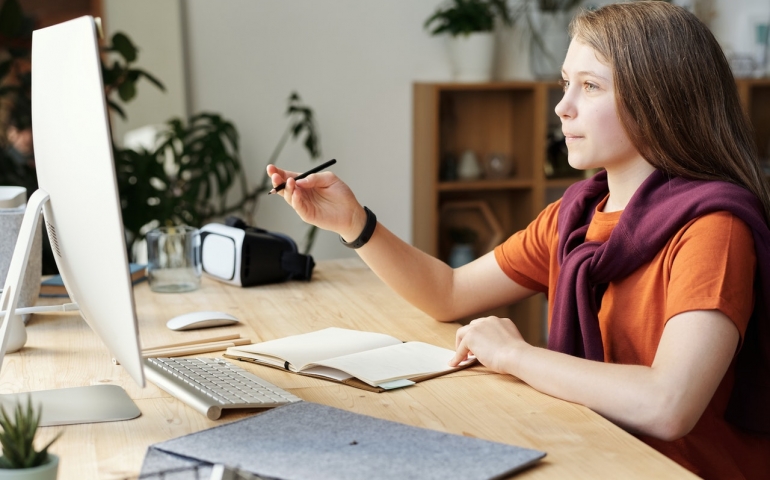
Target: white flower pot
472,56
47,471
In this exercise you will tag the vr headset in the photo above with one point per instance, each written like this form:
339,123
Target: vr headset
240,255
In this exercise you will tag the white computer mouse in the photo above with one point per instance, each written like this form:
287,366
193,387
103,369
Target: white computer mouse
193,320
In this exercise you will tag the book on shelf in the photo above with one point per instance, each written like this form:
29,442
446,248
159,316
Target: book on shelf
366,360
54,286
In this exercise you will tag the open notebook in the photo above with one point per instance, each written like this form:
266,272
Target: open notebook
367,360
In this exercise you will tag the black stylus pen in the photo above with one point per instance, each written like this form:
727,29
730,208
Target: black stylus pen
303,175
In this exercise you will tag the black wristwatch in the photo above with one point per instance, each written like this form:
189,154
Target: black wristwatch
366,233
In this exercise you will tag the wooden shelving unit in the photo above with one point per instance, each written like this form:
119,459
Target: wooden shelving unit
755,97
513,118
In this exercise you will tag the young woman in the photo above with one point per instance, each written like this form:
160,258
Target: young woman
657,269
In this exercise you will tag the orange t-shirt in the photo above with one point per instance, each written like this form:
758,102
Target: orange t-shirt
708,265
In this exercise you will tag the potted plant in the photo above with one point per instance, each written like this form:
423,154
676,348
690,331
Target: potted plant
470,25
186,178
20,460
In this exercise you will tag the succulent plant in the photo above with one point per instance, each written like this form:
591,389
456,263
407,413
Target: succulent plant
18,435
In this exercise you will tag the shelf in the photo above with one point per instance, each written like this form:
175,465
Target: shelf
475,185
475,215
513,118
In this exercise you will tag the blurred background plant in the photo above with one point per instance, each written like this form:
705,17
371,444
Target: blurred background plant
121,77
188,174
463,17
187,177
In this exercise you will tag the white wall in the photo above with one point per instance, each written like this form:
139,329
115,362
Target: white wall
353,62
155,27
734,23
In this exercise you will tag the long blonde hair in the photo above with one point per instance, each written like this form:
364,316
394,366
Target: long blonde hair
677,98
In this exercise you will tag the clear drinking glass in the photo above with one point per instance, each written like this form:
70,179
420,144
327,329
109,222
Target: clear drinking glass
174,259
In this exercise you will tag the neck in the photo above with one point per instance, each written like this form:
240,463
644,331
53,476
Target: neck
623,183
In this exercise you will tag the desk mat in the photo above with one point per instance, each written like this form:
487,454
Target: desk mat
312,441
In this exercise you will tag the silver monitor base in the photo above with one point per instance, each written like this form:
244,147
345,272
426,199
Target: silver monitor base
67,406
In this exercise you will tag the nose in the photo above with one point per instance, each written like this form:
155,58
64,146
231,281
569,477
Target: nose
566,106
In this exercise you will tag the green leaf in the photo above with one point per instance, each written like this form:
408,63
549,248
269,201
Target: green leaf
123,45
117,109
310,236
152,79
462,17
127,90
111,75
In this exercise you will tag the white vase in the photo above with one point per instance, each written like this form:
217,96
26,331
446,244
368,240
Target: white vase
468,168
472,56
47,471
547,55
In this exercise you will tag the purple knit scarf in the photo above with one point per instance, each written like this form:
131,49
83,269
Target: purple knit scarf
659,208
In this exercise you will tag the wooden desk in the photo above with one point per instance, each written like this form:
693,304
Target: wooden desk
62,351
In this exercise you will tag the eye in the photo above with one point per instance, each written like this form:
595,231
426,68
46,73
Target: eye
590,87
564,84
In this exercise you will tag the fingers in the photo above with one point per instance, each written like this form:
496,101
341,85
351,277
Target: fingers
460,334
318,180
461,351
278,175
460,356
289,190
272,170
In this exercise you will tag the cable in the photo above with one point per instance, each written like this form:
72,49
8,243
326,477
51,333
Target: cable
67,307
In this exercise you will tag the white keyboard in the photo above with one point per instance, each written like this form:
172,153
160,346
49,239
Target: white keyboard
212,384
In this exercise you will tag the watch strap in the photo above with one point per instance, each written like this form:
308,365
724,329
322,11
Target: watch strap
366,233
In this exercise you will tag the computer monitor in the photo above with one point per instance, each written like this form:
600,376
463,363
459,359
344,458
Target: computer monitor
76,174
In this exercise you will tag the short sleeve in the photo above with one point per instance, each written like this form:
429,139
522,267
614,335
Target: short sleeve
525,256
713,268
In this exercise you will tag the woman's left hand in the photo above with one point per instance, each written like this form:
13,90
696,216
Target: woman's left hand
492,340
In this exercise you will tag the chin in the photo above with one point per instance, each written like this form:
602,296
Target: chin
577,164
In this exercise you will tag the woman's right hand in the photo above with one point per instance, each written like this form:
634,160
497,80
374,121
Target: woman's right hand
323,200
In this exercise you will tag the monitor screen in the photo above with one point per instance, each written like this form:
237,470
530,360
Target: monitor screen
74,161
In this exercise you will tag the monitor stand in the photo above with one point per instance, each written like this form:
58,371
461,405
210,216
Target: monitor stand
65,406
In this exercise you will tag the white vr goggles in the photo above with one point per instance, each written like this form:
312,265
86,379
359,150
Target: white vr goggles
244,256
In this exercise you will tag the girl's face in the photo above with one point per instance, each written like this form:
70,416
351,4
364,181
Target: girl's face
589,118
